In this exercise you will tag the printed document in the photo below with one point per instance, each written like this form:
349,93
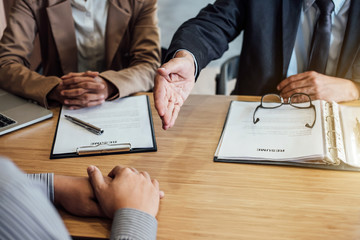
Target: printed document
280,135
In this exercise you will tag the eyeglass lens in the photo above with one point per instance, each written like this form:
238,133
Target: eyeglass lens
300,100
271,101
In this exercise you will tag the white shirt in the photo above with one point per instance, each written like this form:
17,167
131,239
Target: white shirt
90,19
2,18
309,15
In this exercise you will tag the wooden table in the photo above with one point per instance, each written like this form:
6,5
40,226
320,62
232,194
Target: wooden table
207,200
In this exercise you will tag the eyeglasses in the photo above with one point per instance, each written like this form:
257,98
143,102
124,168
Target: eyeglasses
297,100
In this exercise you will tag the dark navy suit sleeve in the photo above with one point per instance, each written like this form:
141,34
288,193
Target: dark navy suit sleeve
208,34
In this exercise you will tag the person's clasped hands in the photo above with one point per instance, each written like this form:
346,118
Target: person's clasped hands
85,89
319,86
102,196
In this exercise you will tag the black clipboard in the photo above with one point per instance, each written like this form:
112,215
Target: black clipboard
106,148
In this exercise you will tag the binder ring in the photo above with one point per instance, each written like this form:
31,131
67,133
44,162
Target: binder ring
330,116
333,132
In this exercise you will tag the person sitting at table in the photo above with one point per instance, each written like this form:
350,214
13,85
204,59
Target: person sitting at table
91,51
290,46
129,197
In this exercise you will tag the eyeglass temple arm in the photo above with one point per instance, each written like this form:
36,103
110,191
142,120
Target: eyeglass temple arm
257,119
312,125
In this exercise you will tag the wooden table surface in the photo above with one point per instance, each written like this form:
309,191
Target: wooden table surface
203,199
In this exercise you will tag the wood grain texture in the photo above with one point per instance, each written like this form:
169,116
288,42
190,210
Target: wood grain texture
207,200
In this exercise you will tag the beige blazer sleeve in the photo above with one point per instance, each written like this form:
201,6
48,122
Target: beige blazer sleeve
16,47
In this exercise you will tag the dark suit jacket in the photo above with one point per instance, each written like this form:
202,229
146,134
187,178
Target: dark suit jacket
270,29
131,43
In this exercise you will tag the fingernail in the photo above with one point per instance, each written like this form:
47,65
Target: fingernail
66,102
91,169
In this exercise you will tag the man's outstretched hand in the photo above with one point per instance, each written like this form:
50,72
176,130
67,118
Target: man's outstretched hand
173,83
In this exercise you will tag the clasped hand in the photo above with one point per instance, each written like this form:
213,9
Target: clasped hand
78,90
100,196
319,86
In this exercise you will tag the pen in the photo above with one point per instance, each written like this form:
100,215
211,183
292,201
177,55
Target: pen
87,126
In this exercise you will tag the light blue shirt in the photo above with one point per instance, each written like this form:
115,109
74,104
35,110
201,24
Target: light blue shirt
309,15
90,19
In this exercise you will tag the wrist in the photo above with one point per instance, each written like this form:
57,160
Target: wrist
189,56
54,94
111,90
185,54
59,187
356,90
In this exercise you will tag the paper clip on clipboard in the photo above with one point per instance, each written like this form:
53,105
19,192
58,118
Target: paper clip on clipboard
103,148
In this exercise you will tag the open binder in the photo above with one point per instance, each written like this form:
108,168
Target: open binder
280,137
127,124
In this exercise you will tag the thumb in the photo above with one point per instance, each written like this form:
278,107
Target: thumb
164,72
182,66
96,178
172,66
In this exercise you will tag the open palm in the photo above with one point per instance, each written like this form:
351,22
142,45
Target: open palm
173,84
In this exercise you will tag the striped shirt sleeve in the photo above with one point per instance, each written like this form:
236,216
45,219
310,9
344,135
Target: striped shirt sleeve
45,181
132,224
25,211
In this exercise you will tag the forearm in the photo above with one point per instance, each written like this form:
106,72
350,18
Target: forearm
129,223
131,80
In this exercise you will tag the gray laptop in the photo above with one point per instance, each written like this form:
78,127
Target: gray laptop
16,113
